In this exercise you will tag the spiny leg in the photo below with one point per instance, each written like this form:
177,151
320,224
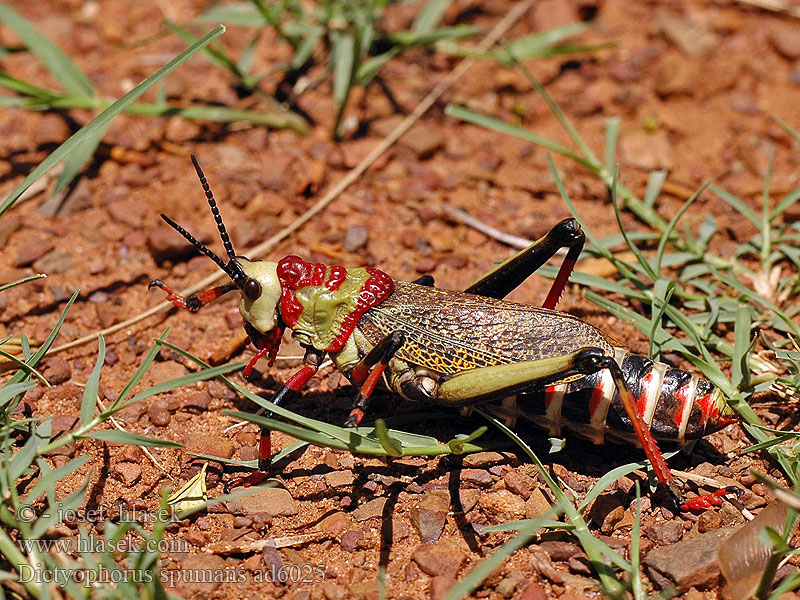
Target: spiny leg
503,279
196,301
289,390
378,358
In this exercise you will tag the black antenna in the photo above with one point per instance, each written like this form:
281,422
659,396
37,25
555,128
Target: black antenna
209,253
232,268
223,234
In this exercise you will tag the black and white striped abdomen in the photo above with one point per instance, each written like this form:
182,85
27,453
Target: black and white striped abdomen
677,405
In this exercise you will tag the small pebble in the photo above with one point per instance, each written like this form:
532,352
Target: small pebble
127,473
159,417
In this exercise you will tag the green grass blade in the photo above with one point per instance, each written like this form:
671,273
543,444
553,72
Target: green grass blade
33,361
465,114
48,480
488,565
241,14
172,384
25,88
673,222
343,49
786,128
741,346
457,444
662,292
655,181
787,202
24,457
76,160
55,514
392,446
636,577
10,390
139,373
89,401
24,366
540,44
612,136
59,64
8,286
766,231
306,48
651,272
105,117
134,439
738,205
430,16
369,68
611,476
757,298
245,62
559,114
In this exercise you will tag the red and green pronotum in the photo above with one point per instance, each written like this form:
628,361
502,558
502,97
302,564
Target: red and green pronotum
464,348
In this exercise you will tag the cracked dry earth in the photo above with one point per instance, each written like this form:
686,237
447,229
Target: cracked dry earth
694,84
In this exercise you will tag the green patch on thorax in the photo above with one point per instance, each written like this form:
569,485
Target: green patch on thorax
324,310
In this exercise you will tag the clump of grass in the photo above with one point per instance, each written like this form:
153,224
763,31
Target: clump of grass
29,521
348,42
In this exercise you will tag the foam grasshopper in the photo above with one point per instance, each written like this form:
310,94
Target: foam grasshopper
462,348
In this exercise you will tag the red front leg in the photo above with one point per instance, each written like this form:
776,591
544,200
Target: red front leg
289,390
196,301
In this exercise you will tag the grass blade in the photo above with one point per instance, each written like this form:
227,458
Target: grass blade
343,57
738,205
89,401
34,360
662,244
487,566
77,159
134,439
59,64
612,135
465,114
49,479
105,117
741,346
430,16
655,181
137,376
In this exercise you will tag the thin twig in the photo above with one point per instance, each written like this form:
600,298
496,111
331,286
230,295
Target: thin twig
142,448
775,6
497,31
508,239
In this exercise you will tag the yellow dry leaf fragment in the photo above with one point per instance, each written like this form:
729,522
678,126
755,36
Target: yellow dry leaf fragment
192,494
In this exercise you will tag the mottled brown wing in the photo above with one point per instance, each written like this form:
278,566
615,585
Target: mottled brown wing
451,332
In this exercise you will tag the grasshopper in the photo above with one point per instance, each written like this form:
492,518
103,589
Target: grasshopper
458,349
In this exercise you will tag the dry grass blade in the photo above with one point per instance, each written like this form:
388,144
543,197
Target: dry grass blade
496,234
248,546
775,6
495,34
145,450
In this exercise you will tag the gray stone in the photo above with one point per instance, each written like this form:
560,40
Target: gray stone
273,500
689,563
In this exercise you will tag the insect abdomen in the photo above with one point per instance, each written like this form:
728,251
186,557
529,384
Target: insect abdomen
677,405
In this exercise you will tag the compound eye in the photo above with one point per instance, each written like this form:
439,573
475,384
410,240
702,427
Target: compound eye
252,289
